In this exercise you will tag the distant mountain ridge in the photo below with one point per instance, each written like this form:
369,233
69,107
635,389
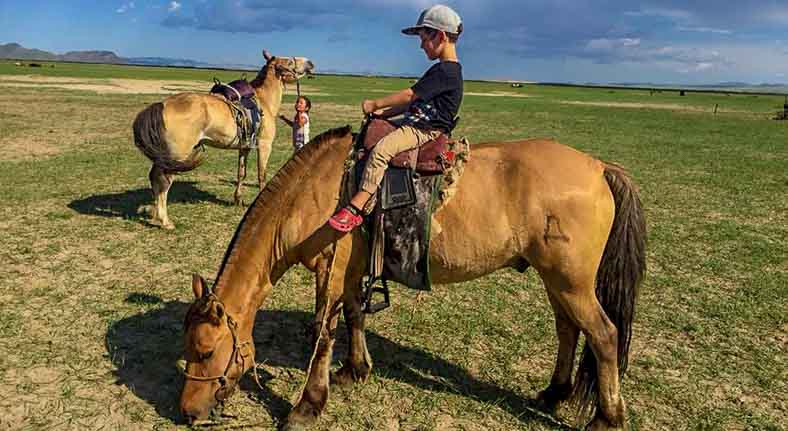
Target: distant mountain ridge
18,52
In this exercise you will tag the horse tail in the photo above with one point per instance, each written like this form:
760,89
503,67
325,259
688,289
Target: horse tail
149,138
619,275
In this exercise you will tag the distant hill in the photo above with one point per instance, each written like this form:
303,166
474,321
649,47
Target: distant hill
721,86
164,61
92,57
18,52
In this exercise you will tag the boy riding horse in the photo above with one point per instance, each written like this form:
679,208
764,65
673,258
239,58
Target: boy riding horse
430,106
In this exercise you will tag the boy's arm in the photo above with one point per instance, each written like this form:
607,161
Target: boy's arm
393,111
397,100
282,117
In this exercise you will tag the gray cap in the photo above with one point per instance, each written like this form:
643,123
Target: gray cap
438,17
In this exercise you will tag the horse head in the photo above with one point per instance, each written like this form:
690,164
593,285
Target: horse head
214,356
286,69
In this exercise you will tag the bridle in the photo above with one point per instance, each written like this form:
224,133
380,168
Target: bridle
238,357
291,70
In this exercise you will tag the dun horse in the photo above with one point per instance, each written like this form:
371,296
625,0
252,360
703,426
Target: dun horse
172,133
576,220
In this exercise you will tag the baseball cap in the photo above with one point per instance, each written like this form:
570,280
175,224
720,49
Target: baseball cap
438,17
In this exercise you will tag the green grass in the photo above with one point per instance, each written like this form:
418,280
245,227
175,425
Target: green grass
92,298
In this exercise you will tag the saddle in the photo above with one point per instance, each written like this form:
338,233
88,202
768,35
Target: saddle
398,228
432,158
240,97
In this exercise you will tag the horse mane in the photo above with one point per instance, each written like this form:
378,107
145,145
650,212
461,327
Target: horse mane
259,80
277,192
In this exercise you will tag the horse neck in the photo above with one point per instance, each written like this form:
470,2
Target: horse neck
285,216
269,94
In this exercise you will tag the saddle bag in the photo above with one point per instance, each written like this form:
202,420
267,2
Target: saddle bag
397,189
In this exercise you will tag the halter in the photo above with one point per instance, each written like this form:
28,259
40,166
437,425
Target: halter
237,357
292,71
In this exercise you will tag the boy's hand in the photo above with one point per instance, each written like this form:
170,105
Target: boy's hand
368,106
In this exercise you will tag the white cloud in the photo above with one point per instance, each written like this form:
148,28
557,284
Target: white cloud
125,7
671,14
174,5
704,30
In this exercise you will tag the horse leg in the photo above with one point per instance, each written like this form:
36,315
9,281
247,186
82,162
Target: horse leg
560,387
263,153
160,185
581,305
358,365
243,158
314,395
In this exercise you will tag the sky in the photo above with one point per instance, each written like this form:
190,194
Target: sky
600,41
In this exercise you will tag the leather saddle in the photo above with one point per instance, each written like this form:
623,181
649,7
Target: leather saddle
240,94
432,158
234,91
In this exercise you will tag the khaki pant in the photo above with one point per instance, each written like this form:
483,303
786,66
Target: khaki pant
402,139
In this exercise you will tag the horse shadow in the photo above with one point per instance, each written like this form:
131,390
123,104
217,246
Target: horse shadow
145,347
128,204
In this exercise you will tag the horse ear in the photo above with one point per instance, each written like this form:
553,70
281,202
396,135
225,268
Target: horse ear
267,55
198,285
219,311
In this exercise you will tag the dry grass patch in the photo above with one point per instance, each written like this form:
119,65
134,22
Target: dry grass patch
37,123
92,299
665,106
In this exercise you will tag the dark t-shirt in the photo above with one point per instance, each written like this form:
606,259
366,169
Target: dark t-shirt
438,97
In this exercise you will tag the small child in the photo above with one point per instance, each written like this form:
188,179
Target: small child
300,123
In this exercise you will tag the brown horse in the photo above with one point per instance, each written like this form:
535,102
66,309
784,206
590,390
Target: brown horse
575,219
172,133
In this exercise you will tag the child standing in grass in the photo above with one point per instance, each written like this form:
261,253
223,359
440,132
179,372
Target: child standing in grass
300,122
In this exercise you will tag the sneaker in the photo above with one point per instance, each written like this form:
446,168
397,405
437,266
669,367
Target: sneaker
345,220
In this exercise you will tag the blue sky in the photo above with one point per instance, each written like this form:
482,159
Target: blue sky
661,41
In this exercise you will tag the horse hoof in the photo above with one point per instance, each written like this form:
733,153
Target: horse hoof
549,399
340,378
297,423
293,427
346,376
164,225
599,423
545,405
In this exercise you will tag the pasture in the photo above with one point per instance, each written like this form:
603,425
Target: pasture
92,298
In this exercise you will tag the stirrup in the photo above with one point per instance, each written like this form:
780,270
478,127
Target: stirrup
367,289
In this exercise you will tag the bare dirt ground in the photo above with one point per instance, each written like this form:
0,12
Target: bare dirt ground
120,86
496,94
668,106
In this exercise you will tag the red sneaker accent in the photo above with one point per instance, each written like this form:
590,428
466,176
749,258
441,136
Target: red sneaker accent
345,221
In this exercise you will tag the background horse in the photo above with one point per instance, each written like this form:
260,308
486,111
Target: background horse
578,221
172,133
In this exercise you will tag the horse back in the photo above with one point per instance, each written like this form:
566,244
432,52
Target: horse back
513,199
192,117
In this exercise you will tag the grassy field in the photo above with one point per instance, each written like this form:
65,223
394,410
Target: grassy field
92,298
